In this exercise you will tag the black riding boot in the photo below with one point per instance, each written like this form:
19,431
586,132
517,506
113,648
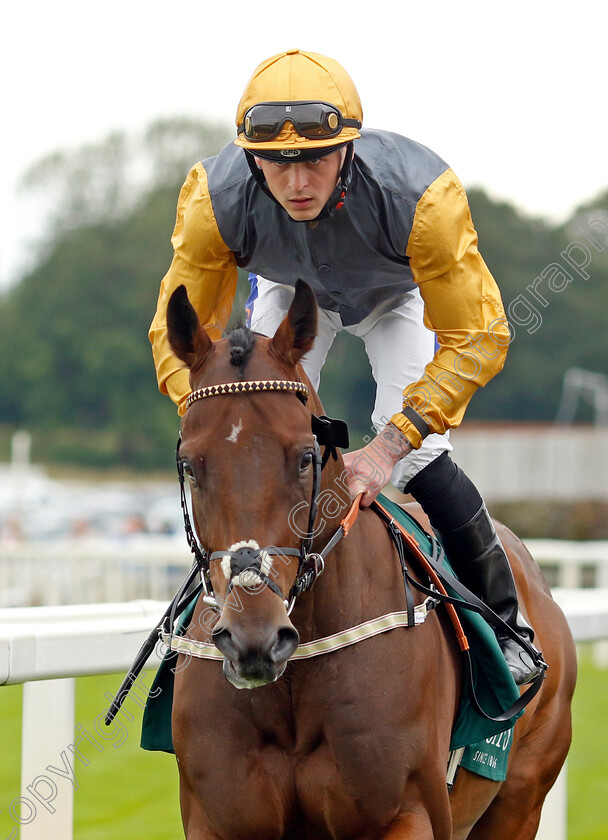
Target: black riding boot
460,518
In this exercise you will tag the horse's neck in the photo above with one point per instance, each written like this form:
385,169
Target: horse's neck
362,580
334,501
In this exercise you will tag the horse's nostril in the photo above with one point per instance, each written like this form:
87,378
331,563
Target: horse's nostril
222,639
284,643
249,657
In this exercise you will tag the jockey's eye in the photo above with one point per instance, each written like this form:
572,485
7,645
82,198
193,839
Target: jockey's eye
306,461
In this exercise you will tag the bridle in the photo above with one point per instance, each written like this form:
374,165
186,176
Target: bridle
331,434
328,433
250,559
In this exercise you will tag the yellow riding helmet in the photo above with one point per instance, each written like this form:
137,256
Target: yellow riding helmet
300,78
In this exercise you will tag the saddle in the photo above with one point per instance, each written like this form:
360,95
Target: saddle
490,700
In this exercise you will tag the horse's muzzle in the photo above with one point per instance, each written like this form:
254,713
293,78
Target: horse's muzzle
248,665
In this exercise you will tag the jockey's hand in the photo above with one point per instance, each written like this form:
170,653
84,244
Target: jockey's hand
369,469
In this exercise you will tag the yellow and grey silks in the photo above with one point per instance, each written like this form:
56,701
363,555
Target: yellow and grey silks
405,223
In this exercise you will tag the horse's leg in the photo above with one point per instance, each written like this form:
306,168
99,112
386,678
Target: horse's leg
515,812
194,818
471,796
425,811
512,816
417,825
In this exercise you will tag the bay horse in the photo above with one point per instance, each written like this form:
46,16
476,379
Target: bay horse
352,745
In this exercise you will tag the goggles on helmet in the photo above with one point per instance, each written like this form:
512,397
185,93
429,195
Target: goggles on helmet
314,120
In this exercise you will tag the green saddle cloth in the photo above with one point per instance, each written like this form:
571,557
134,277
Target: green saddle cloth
486,751
486,743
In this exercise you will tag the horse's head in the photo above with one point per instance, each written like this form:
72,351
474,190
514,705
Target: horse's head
248,452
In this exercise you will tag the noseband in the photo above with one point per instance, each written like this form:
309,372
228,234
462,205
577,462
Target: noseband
248,562
328,433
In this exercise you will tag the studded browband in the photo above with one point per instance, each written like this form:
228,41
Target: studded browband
298,388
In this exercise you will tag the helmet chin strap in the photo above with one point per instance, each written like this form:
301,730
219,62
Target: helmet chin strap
336,200
258,174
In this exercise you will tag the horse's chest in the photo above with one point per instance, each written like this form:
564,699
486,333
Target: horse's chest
351,772
346,777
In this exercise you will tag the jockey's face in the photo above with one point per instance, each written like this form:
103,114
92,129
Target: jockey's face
303,189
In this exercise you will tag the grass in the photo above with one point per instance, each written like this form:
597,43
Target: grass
128,793
588,759
139,790
122,792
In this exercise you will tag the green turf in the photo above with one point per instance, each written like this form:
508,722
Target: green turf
122,792
10,729
137,790
588,758
128,793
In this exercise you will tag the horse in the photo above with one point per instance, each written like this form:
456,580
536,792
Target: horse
352,745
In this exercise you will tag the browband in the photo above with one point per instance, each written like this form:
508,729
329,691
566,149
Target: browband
299,388
331,434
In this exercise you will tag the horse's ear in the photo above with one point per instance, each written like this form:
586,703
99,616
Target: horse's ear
296,333
187,338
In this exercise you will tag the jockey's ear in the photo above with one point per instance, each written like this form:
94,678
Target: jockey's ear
296,333
187,338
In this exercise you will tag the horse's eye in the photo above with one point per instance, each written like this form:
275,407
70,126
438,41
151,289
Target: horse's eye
306,461
187,468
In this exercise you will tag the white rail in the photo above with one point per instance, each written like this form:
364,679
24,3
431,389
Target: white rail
96,570
47,647
41,643
570,564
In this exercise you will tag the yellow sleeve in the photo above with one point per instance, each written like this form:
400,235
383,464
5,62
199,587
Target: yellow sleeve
462,305
205,265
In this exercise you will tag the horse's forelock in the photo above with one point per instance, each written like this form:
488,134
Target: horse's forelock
242,341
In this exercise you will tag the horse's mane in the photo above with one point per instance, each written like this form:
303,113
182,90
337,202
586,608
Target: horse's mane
242,341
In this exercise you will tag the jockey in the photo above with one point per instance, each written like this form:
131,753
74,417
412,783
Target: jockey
379,226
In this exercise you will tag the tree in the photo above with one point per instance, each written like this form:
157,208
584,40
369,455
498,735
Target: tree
75,363
557,323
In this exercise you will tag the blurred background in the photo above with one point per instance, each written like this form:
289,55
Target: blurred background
105,115
105,110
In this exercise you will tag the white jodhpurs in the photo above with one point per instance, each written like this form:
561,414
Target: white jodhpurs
398,346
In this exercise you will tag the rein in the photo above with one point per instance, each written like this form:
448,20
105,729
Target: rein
249,560
437,593
410,617
440,579
328,433
252,561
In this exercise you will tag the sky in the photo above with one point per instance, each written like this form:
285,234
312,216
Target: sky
512,95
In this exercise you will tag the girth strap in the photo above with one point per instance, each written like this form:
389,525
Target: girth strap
467,600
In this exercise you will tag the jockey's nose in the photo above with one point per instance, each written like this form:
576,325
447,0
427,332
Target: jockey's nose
298,176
